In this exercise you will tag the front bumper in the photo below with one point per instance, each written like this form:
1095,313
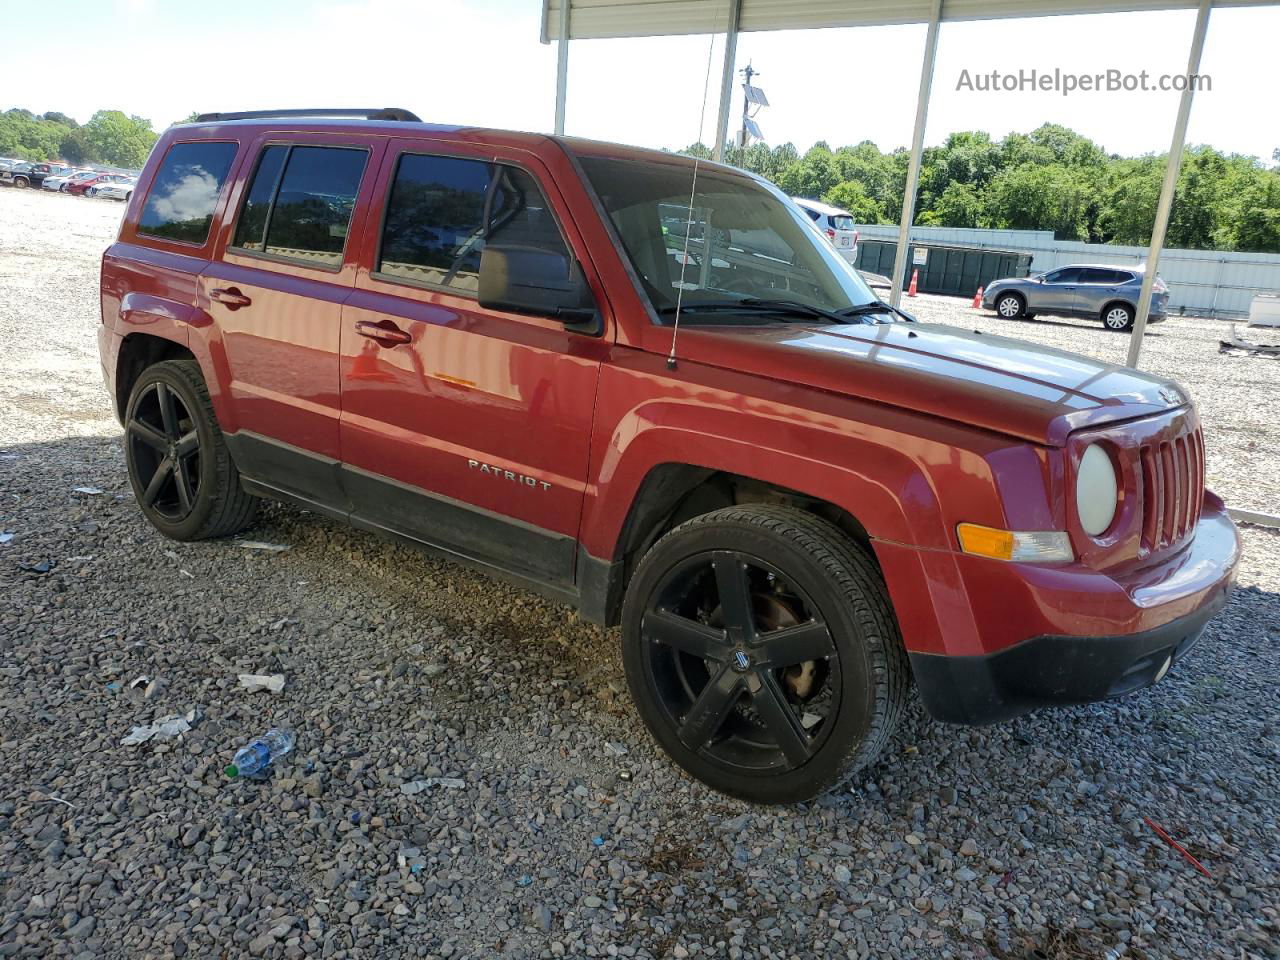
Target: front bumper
1048,671
989,640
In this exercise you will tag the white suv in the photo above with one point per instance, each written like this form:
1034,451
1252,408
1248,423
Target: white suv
837,224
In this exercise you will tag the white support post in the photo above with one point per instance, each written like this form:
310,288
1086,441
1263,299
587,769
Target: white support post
726,78
562,65
917,148
1161,226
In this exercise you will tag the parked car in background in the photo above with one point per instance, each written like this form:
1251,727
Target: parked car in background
466,339
27,174
115,190
1100,291
837,224
56,182
81,187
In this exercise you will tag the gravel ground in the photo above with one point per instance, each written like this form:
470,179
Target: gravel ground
565,833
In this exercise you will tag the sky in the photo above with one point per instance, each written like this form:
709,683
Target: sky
480,62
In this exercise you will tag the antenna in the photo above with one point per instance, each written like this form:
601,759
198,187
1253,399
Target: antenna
693,189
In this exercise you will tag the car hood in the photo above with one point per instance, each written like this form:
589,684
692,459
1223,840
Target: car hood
995,383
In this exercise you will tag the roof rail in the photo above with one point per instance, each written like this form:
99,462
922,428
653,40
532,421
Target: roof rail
378,113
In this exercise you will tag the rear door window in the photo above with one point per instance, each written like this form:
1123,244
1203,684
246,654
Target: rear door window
185,191
442,210
300,202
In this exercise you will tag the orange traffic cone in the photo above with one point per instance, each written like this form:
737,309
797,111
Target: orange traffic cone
915,276
977,299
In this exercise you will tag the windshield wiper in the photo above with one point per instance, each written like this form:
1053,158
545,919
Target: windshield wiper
875,306
794,308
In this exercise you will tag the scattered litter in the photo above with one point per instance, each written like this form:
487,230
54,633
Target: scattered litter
165,728
1235,343
65,803
624,775
114,686
809,720
187,573
5,537
525,880
615,748
84,559
171,555
282,623
92,491
253,758
597,841
263,545
44,566
137,680
417,786
1177,846
253,682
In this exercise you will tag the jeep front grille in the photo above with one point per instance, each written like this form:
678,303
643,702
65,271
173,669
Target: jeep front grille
1172,484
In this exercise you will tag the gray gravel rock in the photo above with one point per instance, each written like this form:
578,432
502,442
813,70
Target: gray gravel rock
153,852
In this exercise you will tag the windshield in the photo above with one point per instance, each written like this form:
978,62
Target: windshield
744,240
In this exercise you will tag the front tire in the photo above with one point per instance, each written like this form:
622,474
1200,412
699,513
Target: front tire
762,652
179,466
1118,317
1010,306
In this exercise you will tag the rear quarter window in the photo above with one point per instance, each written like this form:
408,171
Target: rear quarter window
185,191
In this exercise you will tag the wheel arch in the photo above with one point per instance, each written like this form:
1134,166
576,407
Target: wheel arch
671,493
137,352
1117,302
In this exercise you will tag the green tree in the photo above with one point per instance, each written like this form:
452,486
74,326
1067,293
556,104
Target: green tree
961,205
118,139
850,196
1041,197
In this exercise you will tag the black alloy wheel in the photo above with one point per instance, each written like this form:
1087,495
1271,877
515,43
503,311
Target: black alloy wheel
164,446
761,652
179,466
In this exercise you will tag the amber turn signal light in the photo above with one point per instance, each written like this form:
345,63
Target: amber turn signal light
1040,546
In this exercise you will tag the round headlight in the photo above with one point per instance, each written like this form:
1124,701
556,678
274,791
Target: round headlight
1096,491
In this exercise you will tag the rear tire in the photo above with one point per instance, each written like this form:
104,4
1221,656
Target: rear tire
1117,317
1011,306
21,183
169,421
790,696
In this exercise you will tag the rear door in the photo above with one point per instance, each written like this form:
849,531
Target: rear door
1097,287
276,295
462,427
1057,292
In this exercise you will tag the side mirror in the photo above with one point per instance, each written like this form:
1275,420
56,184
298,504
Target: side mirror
533,280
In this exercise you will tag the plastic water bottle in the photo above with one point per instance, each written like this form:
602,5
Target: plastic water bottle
253,759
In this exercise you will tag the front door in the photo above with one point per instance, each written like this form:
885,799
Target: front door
1056,293
276,298
462,427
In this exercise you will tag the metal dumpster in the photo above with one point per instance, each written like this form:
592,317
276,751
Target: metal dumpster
949,270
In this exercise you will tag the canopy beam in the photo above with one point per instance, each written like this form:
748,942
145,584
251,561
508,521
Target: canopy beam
917,149
1170,186
726,77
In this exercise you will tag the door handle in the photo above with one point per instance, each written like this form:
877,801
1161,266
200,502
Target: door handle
384,332
232,297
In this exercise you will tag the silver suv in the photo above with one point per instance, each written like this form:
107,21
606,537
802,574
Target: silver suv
1106,293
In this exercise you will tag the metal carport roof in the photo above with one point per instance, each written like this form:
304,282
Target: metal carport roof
565,20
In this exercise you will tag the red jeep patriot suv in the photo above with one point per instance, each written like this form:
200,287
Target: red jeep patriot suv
650,388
